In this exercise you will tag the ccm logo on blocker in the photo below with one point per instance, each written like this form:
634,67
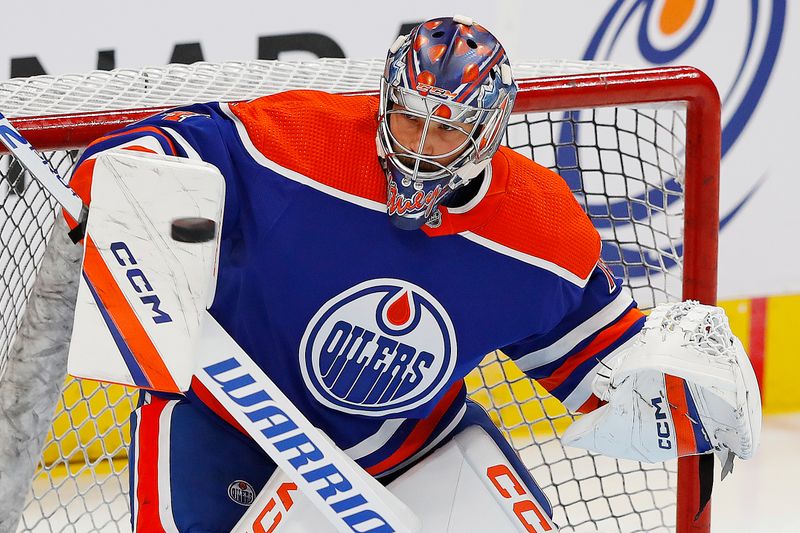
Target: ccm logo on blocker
139,282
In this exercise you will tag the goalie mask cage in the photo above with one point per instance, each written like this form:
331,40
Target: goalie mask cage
640,150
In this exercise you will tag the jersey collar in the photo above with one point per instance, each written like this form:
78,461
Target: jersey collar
480,209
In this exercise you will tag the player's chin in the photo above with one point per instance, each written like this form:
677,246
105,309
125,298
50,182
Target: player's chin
424,166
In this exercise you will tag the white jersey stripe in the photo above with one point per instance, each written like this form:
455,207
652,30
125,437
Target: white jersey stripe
164,478
177,137
374,442
562,346
135,466
487,180
526,258
583,390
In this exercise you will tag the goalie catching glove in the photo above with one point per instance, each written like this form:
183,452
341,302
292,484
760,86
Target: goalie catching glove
684,387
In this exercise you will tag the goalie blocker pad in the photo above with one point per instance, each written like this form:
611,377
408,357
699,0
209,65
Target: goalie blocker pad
685,387
142,319
142,293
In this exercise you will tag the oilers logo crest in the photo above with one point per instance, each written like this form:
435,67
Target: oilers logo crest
382,347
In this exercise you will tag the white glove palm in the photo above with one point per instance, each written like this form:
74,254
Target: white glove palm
684,387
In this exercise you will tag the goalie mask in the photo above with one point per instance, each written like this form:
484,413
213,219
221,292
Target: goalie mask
446,97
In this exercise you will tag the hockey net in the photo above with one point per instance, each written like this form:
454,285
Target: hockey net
628,143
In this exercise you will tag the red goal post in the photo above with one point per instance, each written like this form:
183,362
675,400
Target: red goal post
552,94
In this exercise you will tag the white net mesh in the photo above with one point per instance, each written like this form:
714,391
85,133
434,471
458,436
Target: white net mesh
623,164
175,85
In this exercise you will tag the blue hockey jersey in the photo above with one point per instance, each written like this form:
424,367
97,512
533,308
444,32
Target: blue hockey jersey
367,328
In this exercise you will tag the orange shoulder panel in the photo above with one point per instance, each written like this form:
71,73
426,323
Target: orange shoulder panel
540,217
329,138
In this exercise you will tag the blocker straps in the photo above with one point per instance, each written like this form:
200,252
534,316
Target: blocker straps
77,233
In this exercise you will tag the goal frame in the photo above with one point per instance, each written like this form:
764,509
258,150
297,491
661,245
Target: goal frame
686,85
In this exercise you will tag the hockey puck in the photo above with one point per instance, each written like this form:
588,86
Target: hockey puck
193,229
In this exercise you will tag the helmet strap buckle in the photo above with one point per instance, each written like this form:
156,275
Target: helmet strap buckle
458,181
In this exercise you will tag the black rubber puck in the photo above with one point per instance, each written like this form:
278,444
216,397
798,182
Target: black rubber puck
193,229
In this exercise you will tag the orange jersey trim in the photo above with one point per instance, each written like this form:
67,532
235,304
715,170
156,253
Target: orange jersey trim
139,149
421,432
540,217
592,403
142,129
81,184
607,337
148,518
210,401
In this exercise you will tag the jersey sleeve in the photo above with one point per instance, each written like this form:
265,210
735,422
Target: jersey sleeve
566,359
194,132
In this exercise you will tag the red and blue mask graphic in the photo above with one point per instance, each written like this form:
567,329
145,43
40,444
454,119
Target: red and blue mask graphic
446,97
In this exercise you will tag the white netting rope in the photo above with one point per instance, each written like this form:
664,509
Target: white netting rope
613,159
175,85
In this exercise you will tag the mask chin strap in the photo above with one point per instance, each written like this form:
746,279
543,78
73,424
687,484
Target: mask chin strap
467,172
463,176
